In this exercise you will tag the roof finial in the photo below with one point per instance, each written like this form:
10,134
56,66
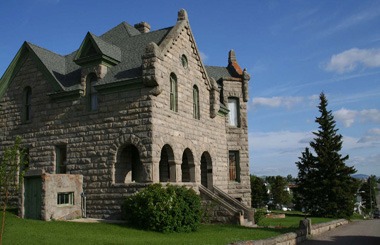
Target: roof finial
182,15
231,56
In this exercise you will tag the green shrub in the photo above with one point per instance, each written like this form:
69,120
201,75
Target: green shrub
164,209
259,215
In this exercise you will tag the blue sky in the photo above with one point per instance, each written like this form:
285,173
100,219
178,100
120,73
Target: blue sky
294,50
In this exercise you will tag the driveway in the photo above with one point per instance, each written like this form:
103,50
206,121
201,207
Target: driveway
356,232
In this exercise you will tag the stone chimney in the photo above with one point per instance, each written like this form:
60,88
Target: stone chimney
143,27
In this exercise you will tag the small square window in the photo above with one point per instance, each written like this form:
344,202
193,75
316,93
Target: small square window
65,198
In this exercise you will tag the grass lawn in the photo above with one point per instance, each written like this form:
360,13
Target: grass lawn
292,220
23,231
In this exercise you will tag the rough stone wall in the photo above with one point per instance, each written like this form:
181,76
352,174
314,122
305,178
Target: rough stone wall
180,129
237,139
131,116
92,138
52,184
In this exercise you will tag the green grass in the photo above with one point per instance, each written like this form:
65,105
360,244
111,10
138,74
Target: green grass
24,231
291,220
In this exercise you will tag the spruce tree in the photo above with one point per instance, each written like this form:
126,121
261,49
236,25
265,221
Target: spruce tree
259,192
325,186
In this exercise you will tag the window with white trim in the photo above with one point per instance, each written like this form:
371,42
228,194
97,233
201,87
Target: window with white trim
233,107
65,198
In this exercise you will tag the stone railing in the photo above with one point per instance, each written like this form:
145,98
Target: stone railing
248,212
298,236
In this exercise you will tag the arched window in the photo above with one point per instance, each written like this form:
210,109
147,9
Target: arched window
173,93
187,166
196,113
128,167
206,170
27,104
167,165
92,94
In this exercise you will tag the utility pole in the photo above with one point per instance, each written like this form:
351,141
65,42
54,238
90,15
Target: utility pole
370,195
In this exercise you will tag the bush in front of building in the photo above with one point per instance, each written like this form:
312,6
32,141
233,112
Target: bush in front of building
164,209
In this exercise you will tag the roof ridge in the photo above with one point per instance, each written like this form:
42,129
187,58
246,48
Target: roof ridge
45,49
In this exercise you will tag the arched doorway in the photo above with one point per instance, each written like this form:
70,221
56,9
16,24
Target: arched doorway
206,170
128,167
167,165
187,166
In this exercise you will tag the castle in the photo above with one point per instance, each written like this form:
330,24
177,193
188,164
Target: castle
128,108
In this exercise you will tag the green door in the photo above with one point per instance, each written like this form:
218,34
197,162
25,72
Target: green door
32,200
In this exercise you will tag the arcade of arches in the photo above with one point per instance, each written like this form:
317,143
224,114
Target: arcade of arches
128,167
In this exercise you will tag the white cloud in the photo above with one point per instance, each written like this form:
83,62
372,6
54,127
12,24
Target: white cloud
374,131
204,57
350,59
372,136
275,153
347,22
348,117
276,102
280,142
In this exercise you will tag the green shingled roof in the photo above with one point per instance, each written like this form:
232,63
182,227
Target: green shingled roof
218,72
123,44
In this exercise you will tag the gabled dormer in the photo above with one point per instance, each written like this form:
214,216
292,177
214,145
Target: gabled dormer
94,51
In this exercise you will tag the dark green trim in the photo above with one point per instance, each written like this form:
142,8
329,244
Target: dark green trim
17,63
66,95
121,85
223,110
96,60
100,58
13,68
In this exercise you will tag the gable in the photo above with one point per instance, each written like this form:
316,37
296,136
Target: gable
41,58
95,50
183,25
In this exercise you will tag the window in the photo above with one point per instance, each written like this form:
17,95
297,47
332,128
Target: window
234,168
65,198
92,93
184,61
27,104
60,159
25,161
196,113
233,107
173,93
128,168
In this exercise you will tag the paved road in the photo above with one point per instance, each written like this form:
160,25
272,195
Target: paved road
357,232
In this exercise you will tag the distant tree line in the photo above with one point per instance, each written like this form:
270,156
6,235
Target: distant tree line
271,191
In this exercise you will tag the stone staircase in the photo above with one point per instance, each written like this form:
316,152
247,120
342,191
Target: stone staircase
238,212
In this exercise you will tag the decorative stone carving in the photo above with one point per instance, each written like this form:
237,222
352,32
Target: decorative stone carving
182,15
246,78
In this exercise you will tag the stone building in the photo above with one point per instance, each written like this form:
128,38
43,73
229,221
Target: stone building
128,108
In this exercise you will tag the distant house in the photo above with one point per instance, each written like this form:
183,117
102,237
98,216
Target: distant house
127,108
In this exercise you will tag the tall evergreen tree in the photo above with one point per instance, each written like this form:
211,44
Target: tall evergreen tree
280,195
325,186
368,192
259,192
